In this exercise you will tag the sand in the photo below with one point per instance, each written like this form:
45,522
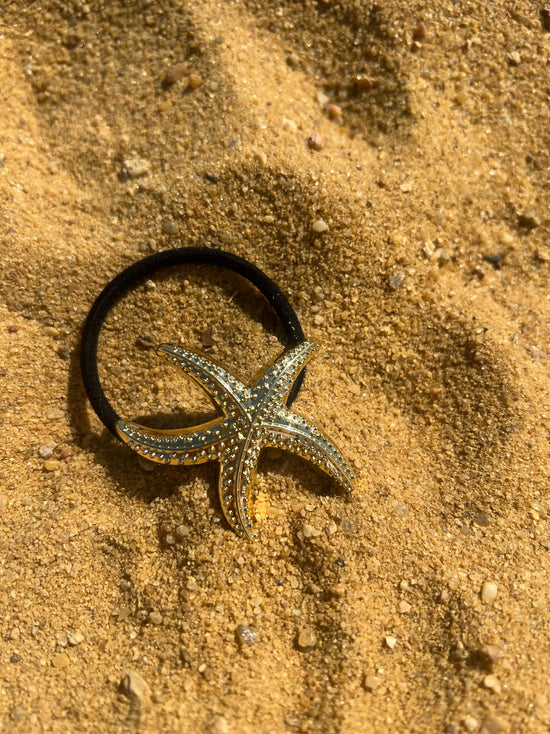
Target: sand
418,134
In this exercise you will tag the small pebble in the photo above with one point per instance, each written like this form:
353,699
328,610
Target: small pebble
419,33
293,60
470,723
206,672
428,249
182,531
307,639
320,226
395,281
260,157
185,657
133,685
309,531
371,683
195,81
147,341
348,525
170,227
493,725
136,167
155,618
404,607
534,352
334,111
322,98
122,613
64,451
75,638
514,59
206,338
493,652
289,125
246,635
493,683
528,220
488,592
46,451
192,584
401,511
174,73
55,414
391,642
338,591
494,259
51,465
461,97
220,726
315,142
482,520
60,661
442,256
294,721
363,84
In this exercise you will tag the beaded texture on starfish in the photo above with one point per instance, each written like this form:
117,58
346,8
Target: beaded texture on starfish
253,417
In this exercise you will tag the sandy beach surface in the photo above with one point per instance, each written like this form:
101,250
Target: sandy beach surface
387,163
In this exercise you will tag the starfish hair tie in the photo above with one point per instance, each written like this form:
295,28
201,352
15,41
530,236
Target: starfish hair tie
251,417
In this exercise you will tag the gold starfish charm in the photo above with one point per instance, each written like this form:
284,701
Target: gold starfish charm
252,417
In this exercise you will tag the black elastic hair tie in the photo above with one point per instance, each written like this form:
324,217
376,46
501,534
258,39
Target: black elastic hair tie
159,261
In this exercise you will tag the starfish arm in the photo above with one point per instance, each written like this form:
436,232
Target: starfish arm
195,445
238,469
226,391
293,433
276,381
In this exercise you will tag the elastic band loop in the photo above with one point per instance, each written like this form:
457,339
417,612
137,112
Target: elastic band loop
149,265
